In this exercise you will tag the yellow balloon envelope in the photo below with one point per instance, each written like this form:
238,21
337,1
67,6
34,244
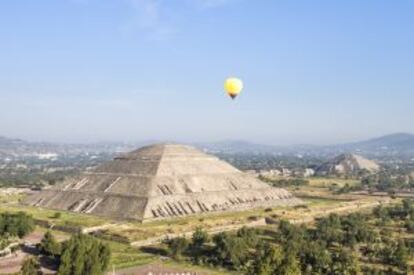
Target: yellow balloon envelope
233,86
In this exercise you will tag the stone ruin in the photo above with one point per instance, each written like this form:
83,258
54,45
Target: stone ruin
158,182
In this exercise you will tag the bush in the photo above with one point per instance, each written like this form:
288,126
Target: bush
30,266
177,247
409,225
253,218
84,254
269,220
57,215
230,250
200,237
16,224
49,246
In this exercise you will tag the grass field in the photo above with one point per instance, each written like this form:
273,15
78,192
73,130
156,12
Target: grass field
195,268
65,218
123,256
331,182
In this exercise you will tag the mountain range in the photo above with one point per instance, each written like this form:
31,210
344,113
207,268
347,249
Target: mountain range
389,145
394,144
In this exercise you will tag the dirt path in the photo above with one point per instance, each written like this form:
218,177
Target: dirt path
155,269
349,207
12,262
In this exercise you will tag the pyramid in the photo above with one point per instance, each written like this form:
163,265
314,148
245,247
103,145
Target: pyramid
347,164
160,181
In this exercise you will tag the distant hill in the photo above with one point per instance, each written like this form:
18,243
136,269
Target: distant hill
389,145
395,144
398,142
347,164
9,141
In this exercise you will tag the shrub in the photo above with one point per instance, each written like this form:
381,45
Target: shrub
177,247
16,224
30,266
57,215
49,245
200,237
84,254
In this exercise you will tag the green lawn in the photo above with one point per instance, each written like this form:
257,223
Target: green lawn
329,182
123,256
321,201
66,218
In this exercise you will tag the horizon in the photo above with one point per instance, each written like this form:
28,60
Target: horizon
87,71
189,142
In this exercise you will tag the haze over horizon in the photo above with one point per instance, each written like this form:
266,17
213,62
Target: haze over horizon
315,72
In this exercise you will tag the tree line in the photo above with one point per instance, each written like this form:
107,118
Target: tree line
80,255
334,245
15,224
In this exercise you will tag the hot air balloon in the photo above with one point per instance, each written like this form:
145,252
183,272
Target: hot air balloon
233,86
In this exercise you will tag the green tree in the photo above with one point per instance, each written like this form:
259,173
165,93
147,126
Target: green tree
356,229
409,225
84,254
177,247
345,263
401,255
16,224
49,245
330,229
315,258
290,265
291,235
30,266
249,235
267,261
200,237
230,250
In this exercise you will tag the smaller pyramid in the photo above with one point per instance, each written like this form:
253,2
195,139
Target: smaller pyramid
348,165
161,181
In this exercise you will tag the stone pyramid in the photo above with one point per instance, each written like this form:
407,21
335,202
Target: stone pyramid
347,164
160,181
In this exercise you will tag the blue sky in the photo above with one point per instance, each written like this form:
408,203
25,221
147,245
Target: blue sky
130,70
